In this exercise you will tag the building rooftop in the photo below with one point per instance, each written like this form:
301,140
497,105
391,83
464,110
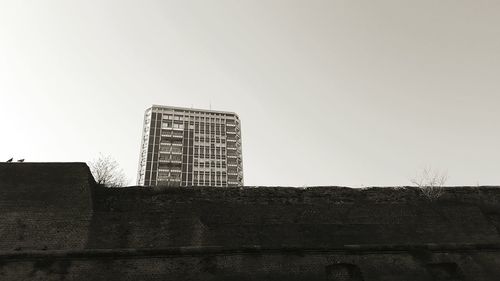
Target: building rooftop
192,109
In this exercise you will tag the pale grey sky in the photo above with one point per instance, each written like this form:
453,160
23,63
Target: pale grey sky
329,92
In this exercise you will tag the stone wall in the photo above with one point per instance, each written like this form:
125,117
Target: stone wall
56,224
417,265
276,217
44,206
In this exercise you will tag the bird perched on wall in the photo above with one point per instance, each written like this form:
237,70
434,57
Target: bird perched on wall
10,160
20,160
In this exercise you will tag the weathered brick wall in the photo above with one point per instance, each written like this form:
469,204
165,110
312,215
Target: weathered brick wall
275,217
44,206
53,219
310,266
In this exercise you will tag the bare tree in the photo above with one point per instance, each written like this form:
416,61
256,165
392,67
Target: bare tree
107,172
431,182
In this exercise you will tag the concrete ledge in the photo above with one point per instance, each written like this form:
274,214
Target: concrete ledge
214,250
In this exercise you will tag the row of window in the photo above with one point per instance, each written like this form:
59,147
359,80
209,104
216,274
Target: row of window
174,163
170,141
198,125
213,136
212,179
211,156
169,165
170,157
198,140
207,149
169,175
197,162
175,126
173,133
207,161
166,155
197,137
207,125
198,182
212,165
170,149
175,175
211,144
202,118
176,166
176,183
211,132
177,152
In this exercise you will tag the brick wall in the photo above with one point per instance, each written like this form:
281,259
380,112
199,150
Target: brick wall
53,219
310,266
44,206
275,217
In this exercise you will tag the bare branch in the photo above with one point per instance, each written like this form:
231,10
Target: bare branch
107,172
431,183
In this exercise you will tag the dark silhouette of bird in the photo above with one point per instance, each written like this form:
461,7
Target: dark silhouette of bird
20,160
10,160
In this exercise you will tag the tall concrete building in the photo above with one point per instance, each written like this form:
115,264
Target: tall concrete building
190,147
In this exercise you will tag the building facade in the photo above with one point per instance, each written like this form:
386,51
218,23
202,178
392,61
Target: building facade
190,147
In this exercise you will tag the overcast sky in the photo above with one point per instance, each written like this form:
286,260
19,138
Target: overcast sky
353,93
